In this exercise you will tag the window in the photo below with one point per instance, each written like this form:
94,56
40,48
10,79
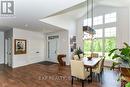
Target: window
98,46
105,37
87,45
110,17
98,20
98,33
110,43
88,22
110,32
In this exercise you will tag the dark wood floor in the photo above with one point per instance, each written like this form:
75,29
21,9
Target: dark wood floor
39,75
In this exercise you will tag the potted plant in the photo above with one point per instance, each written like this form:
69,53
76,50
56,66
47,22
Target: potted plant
122,54
78,51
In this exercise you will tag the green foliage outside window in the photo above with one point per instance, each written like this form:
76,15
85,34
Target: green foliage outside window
87,45
109,44
97,45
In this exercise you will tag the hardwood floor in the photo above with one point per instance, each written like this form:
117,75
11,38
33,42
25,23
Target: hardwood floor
39,75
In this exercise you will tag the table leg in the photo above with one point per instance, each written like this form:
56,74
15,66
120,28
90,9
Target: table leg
91,74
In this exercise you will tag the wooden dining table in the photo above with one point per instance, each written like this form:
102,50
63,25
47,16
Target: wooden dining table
90,64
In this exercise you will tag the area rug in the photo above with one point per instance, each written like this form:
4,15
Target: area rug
47,63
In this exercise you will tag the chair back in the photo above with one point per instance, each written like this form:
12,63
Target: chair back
60,59
100,65
77,69
76,57
81,55
94,55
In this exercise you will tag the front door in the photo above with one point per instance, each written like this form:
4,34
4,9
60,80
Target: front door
52,48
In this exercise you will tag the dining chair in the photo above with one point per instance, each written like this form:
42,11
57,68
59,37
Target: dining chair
76,57
81,55
94,55
99,68
78,71
60,59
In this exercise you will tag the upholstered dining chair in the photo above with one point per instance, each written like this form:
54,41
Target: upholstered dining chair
81,55
76,57
94,55
99,68
78,71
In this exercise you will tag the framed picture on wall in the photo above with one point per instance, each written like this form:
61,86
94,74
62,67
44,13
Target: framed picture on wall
72,43
20,46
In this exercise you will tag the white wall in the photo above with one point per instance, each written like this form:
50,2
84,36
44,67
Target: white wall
79,33
123,27
60,21
1,47
63,22
72,32
35,43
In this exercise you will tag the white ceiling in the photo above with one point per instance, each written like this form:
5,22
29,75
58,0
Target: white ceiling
66,19
116,3
29,12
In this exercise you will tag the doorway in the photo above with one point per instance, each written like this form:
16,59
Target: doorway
8,52
52,48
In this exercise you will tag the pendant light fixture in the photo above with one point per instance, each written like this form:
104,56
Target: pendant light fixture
89,29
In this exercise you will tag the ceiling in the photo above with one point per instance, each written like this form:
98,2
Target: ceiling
28,13
66,19
115,3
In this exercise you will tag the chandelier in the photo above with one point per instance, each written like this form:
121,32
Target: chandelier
88,30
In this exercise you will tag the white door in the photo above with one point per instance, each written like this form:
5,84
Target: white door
1,47
52,49
8,59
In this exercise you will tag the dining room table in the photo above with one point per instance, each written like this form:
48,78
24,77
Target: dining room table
90,63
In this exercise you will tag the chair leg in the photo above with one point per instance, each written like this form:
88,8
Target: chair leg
72,80
98,77
103,69
82,83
